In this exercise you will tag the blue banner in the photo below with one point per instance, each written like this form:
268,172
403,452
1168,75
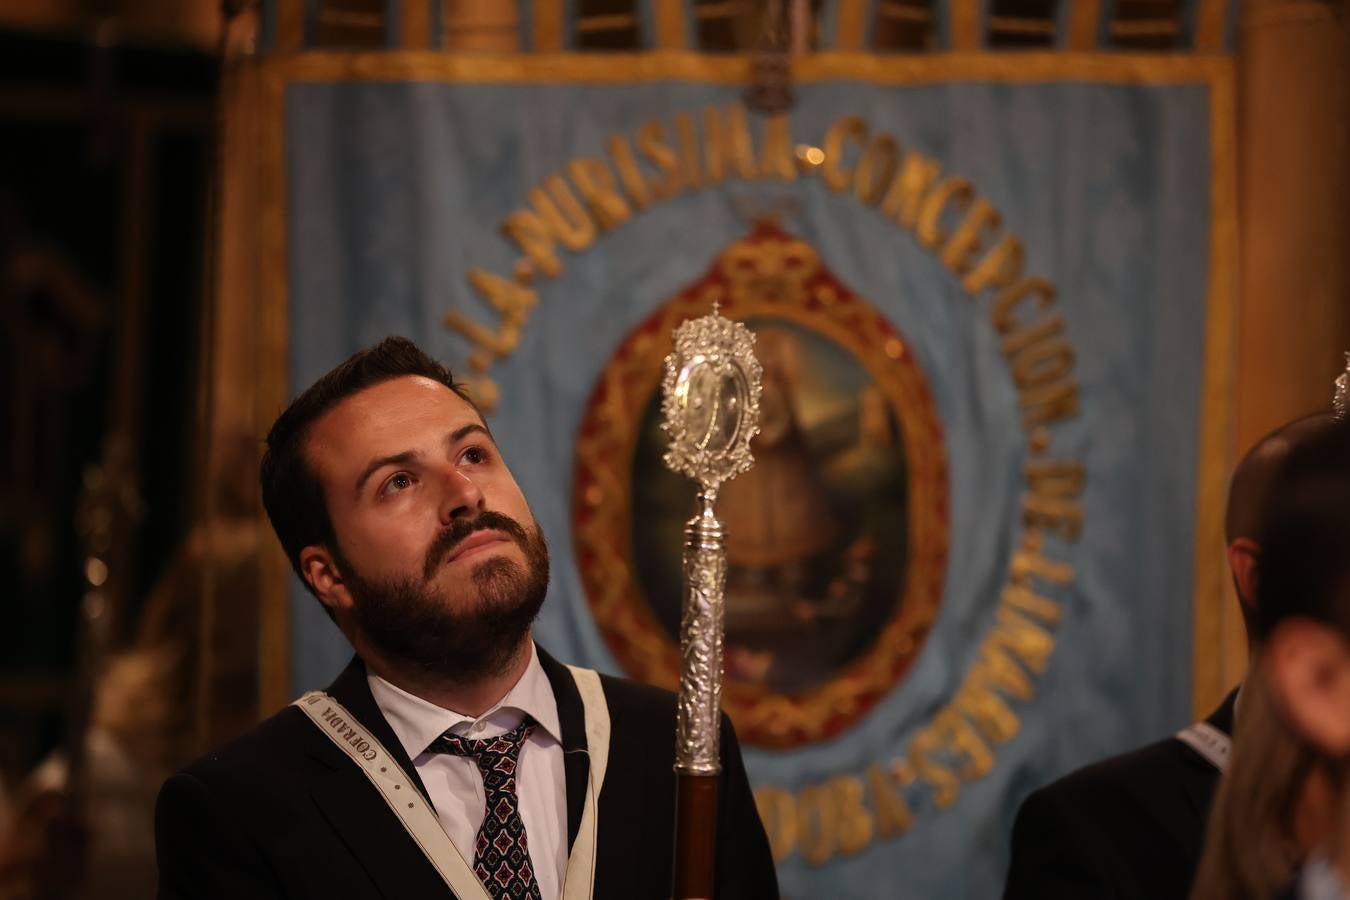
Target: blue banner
985,292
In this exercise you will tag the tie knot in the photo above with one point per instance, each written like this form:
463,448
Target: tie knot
487,751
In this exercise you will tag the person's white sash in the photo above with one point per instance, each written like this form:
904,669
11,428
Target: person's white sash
1209,742
406,802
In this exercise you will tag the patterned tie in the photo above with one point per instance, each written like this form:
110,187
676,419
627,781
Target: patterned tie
501,857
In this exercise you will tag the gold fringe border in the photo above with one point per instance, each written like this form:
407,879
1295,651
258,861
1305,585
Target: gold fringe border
667,65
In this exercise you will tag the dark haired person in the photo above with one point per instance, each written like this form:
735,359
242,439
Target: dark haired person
1132,826
453,756
1281,821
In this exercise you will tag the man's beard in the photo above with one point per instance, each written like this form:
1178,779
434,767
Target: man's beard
416,627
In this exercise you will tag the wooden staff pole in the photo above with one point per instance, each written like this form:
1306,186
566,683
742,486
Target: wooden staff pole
698,758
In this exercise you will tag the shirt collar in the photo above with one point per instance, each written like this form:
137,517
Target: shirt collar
1319,880
417,722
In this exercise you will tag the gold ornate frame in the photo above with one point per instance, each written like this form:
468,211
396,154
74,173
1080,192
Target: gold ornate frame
773,274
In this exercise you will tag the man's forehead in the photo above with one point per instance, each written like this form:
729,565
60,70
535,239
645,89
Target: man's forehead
388,418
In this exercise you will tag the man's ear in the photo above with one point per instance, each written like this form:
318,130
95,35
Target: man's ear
1309,670
1243,556
322,572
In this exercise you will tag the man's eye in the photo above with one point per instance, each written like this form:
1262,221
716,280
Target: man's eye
397,482
474,456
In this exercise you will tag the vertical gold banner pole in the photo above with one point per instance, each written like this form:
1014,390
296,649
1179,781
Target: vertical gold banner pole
1085,18
964,24
851,26
547,26
290,26
670,25
415,24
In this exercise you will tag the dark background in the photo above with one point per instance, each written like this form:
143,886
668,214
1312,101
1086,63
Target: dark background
104,153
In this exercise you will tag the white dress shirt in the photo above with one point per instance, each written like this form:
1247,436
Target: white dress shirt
454,782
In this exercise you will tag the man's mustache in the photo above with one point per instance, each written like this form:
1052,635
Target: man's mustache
446,542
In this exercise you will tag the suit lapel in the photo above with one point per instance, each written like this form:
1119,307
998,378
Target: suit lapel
373,834
356,810
572,719
352,690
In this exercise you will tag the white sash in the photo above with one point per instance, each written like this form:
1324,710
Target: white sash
579,879
421,823
1209,742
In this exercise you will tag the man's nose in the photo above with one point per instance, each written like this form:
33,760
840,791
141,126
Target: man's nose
462,498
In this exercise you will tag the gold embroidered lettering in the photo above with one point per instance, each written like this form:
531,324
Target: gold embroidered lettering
513,302
690,176
651,142
987,710
954,192
1011,298
727,144
893,815
963,742
1026,640
778,810
1049,504
1039,330
563,214
816,823
534,238
980,223
904,199
876,169
849,128
1042,363
593,179
999,268
924,751
629,174
1049,403
777,159
1023,598
853,822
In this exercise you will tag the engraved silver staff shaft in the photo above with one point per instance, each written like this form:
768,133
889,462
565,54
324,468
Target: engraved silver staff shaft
705,572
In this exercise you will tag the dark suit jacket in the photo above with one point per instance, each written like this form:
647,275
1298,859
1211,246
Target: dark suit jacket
282,812
1132,826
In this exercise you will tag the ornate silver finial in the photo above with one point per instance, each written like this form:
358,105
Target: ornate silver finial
710,406
710,400
1340,401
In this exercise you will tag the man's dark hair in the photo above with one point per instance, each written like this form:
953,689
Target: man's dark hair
291,491
1305,535
1250,485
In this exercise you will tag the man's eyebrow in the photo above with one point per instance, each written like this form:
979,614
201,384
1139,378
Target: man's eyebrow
465,430
409,455
376,464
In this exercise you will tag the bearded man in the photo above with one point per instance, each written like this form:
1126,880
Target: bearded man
453,757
